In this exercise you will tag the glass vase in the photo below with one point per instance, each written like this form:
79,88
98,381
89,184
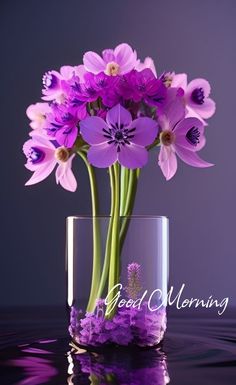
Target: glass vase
117,280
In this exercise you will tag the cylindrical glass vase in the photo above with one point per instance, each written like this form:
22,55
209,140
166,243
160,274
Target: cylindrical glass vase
117,280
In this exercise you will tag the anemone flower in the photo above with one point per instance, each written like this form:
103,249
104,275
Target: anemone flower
180,136
113,62
42,157
197,98
118,139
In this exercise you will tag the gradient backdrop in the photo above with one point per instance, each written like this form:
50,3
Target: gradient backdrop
197,37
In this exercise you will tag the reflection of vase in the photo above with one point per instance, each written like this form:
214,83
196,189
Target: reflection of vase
117,297
118,367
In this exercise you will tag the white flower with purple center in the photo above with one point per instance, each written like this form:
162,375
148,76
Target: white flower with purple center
119,138
113,62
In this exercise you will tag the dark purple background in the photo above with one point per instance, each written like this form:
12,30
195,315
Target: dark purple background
197,37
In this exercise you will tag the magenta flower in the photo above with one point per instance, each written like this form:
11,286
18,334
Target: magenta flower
42,157
113,62
180,136
55,83
197,98
118,139
62,123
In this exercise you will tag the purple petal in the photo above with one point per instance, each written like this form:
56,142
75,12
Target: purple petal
102,155
93,62
41,173
191,158
198,83
108,55
174,111
118,115
67,136
65,176
125,57
182,129
91,130
180,80
145,131
167,162
205,110
133,156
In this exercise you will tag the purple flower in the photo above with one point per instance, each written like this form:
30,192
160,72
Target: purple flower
42,157
197,98
113,62
118,139
62,123
180,136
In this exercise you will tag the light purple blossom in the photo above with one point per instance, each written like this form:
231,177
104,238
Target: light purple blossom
42,157
148,63
197,99
180,136
118,139
37,114
113,62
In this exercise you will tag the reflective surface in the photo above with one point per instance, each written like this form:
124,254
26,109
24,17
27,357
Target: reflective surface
199,348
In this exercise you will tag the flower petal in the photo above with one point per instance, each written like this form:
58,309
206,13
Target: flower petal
179,80
108,55
118,115
66,136
145,131
125,57
181,130
102,155
199,83
93,62
191,158
91,130
65,176
42,172
133,156
205,110
167,161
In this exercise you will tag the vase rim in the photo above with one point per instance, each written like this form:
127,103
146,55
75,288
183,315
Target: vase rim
138,216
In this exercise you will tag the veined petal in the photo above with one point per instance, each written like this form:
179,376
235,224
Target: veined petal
66,136
65,176
125,57
191,158
42,172
118,115
133,156
167,161
91,130
93,62
145,131
108,55
102,155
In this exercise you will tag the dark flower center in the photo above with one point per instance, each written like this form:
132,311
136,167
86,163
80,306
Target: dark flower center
49,80
193,136
198,96
119,135
36,155
167,137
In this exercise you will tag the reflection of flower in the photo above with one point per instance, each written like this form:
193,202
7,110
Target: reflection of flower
114,367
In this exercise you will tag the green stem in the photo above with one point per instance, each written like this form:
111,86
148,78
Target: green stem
105,269
115,249
124,179
96,235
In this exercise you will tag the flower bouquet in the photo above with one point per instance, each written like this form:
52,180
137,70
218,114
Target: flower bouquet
111,111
